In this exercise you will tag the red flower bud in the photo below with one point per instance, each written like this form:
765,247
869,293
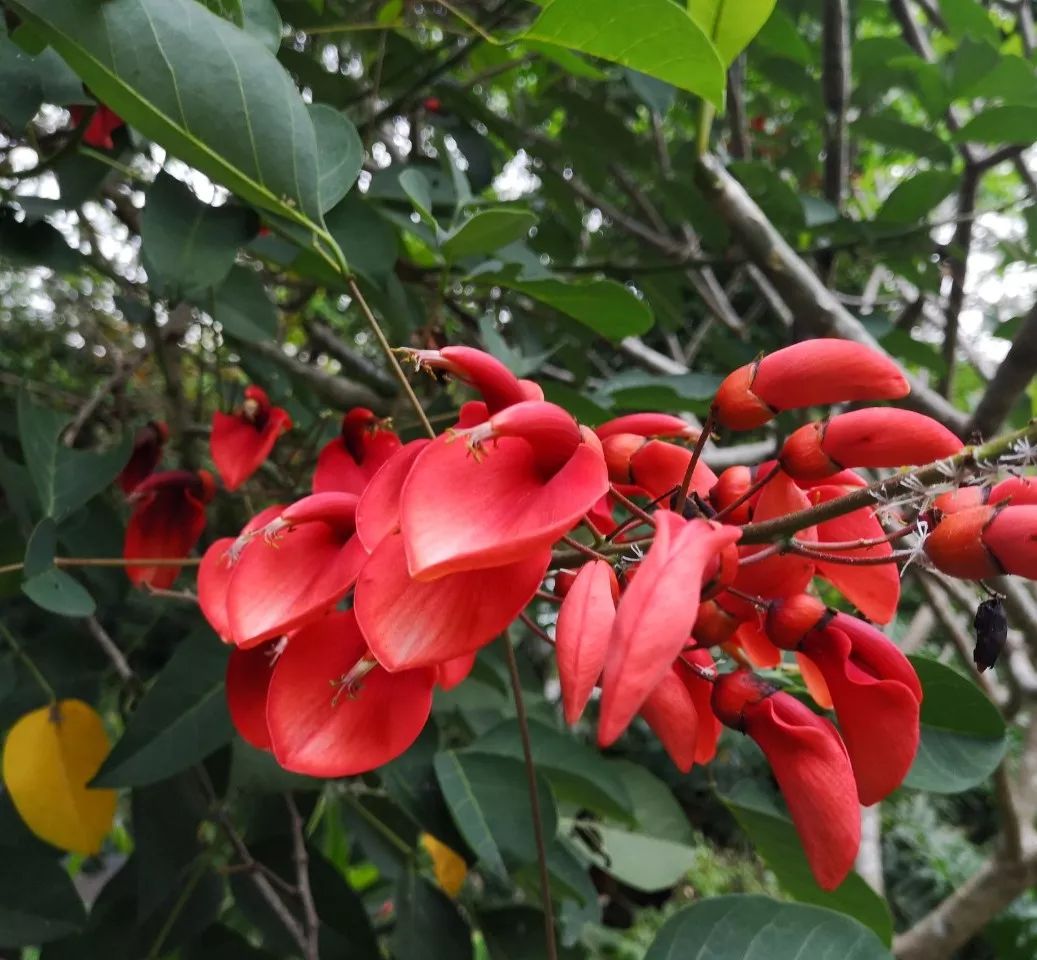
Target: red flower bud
648,425
713,625
731,485
957,546
789,619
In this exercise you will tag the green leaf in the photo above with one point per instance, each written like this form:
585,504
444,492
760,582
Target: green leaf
230,10
780,37
889,131
39,552
656,810
56,591
27,81
415,185
37,900
189,246
913,199
517,933
635,389
1012,123
262,19
181,719
487,231
340,153
489,800
64,478
241,306
730,24
577,774
366,237
653,36
968,19
963,735
757,928
607,307
775,839
427,923
640,861
162,65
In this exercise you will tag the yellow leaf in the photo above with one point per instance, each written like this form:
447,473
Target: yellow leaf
49,757
449,868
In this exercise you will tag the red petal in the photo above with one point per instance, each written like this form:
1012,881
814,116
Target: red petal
412,623
378,512
459,514
166,522
1012,538
337,469
453,672
647,425
655,615
278,587
670,711
701,692
238,448
248,680
359,731
756,645
874,590
874,651
658,467
582,635
887,437
214,577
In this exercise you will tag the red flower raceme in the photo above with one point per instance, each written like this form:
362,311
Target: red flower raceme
240,442
872,686
810,764
467,505
656,614
986,541
582,634
147,451
102,125
167,519
811,373
347,463
874,437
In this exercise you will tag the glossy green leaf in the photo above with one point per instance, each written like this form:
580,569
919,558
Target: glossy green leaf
889,131
640,861
340,153
243,308
775,839
27,81
730,24
262,19
37,900
913,199
487,231
181,719
39,551
1012,123
654,36
64,478
577,773
968,19
188,246
963,735
59,592
489,800
656,811
607,307
416,186
163,64
758,928
228,9
427,923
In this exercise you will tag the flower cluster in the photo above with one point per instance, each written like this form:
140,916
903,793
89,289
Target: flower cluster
348,607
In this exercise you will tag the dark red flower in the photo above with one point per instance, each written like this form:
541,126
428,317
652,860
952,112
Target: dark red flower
167,519
103,124
240,442
147,451
248,680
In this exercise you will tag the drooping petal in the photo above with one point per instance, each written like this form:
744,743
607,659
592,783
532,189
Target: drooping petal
671,713
655,615
452,672
809,762
582,635
701,691
873,589
319,728
378,511
214,575
240,442
755,644
659,466
876,653
807,374
459,514
147,451
500,388
411,623
814,681
878,717
248,680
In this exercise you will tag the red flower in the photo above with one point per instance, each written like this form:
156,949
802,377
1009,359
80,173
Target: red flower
167,520
348,462
808,374
648,425
499,387
810,764
103,124
332,713
452,672
678,712
730,487
986,542
654,467
874,437
247,682
582,634
467,506
656,614
240,442
147,451
873,688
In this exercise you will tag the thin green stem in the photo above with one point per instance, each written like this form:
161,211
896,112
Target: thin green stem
40,679
193,879
534,800
706,114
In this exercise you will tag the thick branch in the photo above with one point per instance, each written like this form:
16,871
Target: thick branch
808,298
958,263
836,88
1011,379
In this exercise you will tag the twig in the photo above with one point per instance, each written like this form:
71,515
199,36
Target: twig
534,800
1013,376
958,265
302,881
111,650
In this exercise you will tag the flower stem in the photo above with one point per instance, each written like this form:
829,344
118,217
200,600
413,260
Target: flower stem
696,454
534,800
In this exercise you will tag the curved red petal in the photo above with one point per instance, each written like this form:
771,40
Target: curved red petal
238,447
887,437
671,713
658,467
452,672
165,523
248,680
459,514
1012,539
214,575
701,691
877,653
411,623
582,634
647,425
378,512
319,729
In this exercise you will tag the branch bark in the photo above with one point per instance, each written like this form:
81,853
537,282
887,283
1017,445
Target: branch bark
353,364
1010,380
